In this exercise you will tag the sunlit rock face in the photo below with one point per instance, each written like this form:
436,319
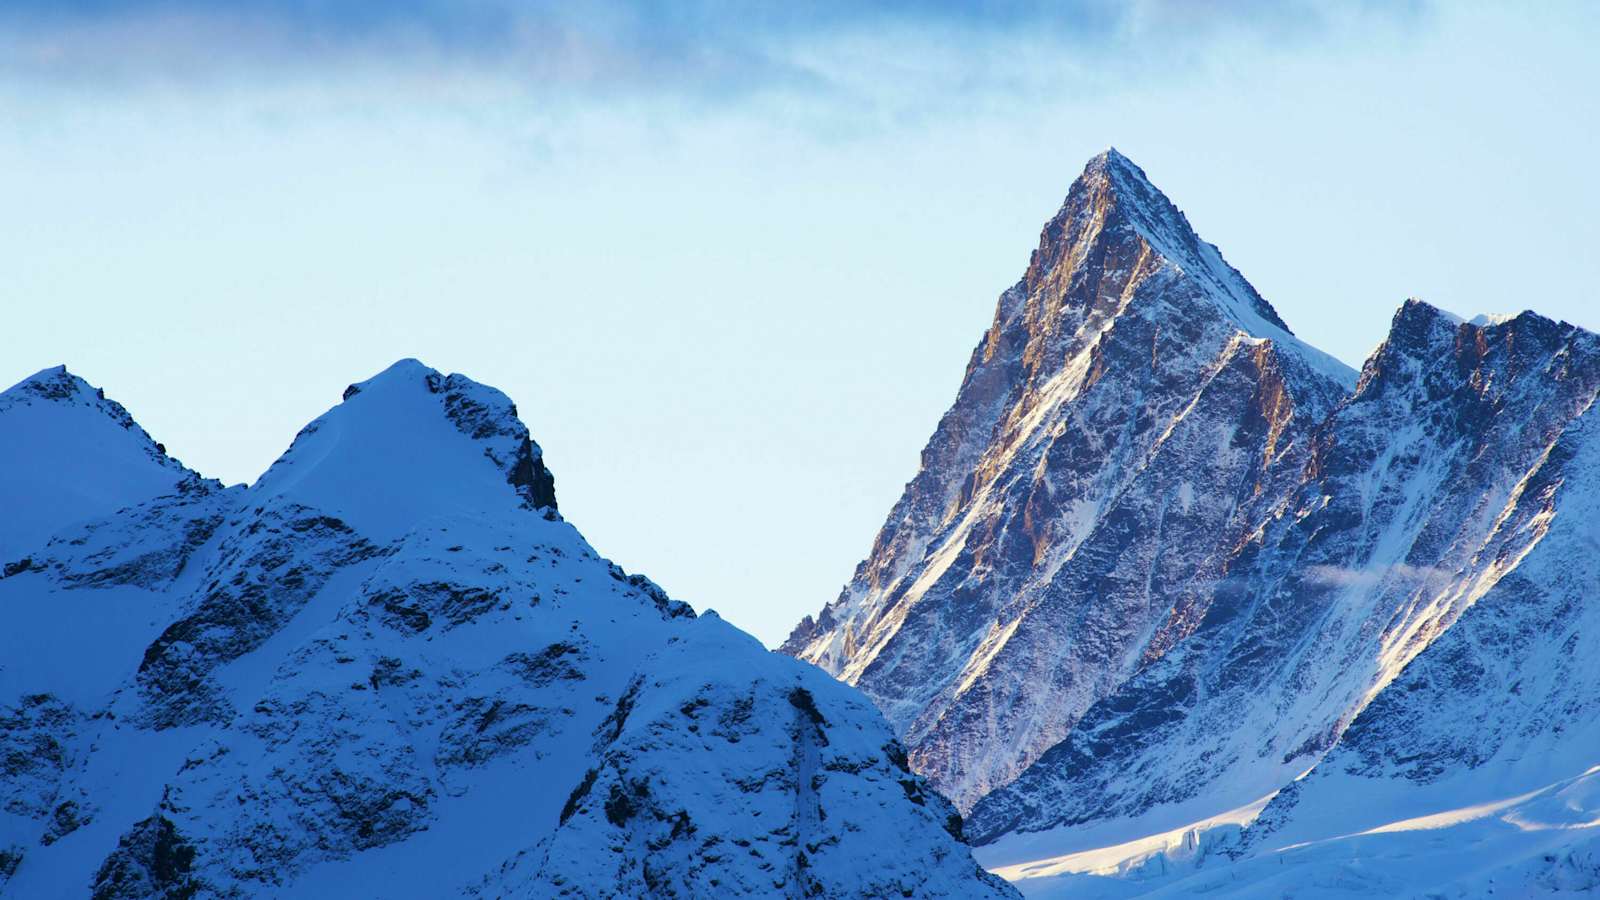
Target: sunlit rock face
1164,564
389,668
1445,487
1132,407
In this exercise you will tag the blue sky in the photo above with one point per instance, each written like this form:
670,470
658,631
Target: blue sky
729,258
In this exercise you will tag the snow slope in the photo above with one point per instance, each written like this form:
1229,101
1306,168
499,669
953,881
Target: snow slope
389,668
83,456
1544,842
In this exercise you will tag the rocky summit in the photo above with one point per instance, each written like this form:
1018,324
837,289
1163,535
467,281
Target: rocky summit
1132,402
390,668
1176,603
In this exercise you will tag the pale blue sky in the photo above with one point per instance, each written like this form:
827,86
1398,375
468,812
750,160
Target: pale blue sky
731,265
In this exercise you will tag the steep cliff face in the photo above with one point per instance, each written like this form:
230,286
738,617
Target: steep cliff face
1504,701
389,668
1174,599
1433,487
1416,613
1124,418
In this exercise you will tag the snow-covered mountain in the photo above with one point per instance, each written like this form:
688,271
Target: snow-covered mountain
1127,410
1175,600
1398,648
389,668
76,455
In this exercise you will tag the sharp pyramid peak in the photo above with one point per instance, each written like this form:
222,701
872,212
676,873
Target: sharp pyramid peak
1113,182
1112,198
1111,163
1113,175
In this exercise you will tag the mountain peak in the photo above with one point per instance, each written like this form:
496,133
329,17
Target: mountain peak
1417,325
379,672
54,383
1129,365
1114,187
1112,184
1113,211
1116,171
456,445
399,374
76,455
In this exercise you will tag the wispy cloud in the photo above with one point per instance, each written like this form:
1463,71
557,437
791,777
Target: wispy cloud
695,47
1371,576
